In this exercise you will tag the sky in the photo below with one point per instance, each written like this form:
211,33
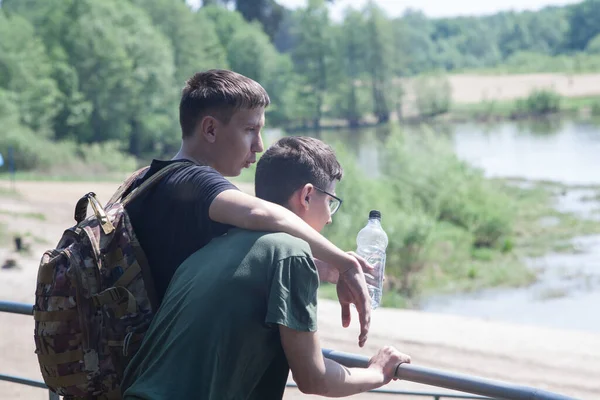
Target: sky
433,8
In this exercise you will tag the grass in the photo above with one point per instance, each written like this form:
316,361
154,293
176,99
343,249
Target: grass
6,192
62,177
29,215
505,109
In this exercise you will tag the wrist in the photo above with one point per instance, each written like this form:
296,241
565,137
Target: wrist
346,263
378,377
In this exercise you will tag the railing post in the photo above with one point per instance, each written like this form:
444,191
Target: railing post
53,396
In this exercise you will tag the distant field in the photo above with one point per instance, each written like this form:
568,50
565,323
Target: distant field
473,88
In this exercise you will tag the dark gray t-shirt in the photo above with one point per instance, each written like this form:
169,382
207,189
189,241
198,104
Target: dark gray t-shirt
171,220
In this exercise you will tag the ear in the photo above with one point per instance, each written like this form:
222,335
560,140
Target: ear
306,194
208,127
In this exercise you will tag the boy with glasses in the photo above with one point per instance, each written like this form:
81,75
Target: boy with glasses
242,311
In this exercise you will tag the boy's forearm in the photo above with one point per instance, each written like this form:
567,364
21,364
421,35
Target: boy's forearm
340,381
273,217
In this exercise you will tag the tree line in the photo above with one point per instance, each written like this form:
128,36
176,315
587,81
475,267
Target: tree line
93,71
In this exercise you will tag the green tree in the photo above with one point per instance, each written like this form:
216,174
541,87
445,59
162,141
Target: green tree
193,37
379,59
413,47
549,28
314,57
116,70
593,45
268,12
515,36
250,52
226,22
352,44
50,21
583,22
26,71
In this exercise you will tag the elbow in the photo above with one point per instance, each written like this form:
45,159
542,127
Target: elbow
312,386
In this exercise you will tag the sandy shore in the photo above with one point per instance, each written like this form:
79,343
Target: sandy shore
564,361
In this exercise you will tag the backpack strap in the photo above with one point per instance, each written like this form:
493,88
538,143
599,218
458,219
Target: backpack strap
81,211
90,198
127,184
148,183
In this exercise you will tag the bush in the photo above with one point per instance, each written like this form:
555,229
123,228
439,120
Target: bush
540,102
439,213
106,157
595,109
433,95
34,153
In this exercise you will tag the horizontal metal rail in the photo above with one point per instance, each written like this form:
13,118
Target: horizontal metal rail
488,388
452,380
436,396
29,382
16,308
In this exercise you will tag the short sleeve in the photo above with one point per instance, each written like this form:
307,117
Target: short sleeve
208,184
292,298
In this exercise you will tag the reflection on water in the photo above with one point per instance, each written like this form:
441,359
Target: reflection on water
568,152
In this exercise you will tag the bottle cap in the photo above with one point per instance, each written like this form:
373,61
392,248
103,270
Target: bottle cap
375,214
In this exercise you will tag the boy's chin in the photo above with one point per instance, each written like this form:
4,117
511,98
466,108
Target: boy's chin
232,174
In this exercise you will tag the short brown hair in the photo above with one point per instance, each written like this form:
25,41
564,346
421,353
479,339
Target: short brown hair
218,91
291,163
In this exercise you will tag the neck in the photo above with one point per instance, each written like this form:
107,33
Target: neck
187,154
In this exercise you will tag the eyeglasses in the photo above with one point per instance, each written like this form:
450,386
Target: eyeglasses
334,202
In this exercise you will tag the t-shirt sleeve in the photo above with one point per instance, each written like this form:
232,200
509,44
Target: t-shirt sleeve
292,298
208,184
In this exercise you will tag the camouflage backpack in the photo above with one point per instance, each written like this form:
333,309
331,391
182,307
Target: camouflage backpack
94,299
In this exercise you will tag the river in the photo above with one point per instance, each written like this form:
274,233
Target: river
568,289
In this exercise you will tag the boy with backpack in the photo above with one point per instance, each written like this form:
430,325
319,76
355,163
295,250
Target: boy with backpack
98,290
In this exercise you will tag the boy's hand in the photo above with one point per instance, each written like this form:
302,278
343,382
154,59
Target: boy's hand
386,361
352,289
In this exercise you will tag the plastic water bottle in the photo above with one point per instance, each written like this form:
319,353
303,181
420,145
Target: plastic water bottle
371,243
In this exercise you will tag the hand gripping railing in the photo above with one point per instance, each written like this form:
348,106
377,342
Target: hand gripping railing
452,380
408,372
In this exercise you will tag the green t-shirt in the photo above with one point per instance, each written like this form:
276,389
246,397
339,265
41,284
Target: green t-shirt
216,335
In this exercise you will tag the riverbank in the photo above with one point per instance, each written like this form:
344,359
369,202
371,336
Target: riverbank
486,97
489,111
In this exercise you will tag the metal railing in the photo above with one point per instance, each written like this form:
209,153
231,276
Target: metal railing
489,389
